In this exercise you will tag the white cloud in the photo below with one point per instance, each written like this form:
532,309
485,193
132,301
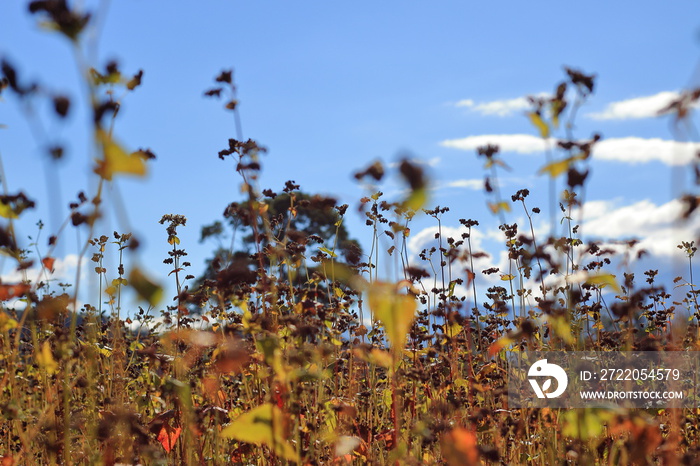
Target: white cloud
466,184
465,103
631,150
639,107
425,239
657,227
64,269
501,108
431,162
638,150
519,143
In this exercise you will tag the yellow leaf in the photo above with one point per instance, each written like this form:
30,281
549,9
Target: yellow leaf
557,107
507,278
45,359
116,160
6,211
263,425
395,311
380,358
585,423
7,322
328,251
555,169
497,207
98,78
454,329
604,279
539,123
416,200
486,370
562,328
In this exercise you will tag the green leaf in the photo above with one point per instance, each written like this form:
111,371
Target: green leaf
451,291
328,251
262,426
146,288
540,124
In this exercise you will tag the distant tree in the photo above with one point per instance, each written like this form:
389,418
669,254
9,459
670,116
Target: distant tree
291,230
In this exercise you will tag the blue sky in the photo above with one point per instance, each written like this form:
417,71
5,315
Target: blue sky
329,87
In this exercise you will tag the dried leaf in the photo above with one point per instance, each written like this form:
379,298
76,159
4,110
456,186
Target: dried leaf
48,263
167,436
13,291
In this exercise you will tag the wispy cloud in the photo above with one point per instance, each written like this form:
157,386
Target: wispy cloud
431,162
63,268
632,150
639,150
464,184
501,108
518,143
656,226
639,107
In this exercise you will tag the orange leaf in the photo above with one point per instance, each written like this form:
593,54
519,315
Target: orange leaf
460,447
499,344
13,291
168,436
470,277
48,263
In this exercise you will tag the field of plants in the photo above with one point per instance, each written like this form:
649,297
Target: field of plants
296,348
